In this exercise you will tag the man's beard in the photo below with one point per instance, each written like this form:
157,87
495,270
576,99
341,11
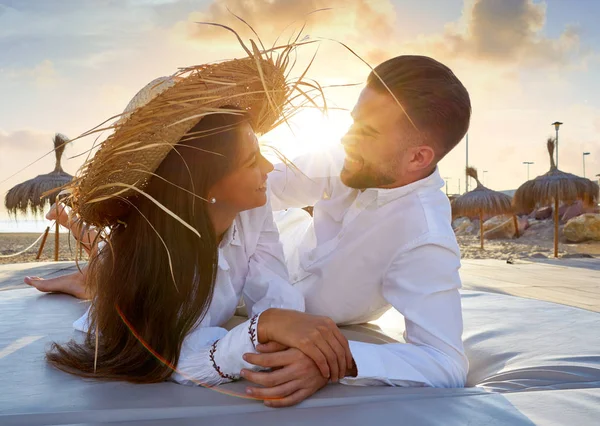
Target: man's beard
365,178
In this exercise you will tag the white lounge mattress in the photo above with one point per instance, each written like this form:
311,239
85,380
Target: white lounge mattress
531,363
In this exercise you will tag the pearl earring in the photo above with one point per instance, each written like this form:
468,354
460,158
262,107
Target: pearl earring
213,200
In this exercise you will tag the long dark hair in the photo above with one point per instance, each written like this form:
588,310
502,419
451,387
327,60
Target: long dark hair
162,295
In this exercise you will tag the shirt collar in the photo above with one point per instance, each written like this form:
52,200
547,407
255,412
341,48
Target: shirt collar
384,196
232,236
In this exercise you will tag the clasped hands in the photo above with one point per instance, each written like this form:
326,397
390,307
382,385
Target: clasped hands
303,352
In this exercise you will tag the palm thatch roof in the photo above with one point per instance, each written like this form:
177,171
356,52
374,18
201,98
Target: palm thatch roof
34,194
556,184
481,201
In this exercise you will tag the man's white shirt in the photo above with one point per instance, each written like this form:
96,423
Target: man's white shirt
365,251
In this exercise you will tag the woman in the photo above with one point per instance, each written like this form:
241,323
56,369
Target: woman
198,238
74,283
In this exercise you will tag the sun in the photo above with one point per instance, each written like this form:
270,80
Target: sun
310,131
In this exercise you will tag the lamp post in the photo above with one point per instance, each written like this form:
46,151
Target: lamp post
484,172
467,164
556,125
466,174
584,155
446,179
528,163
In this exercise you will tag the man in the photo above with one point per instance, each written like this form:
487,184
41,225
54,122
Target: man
381,237
381,234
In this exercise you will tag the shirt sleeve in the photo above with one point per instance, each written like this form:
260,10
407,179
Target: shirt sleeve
212,356
422,284
305,181
267,283
209,356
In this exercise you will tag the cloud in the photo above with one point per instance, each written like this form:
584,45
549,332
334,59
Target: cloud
507,32
24,140
22,147
80,31
103,58
18,149
359,20
42,75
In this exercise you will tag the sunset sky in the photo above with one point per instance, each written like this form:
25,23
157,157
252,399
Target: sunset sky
66,65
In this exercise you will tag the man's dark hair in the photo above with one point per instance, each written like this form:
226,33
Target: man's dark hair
432,96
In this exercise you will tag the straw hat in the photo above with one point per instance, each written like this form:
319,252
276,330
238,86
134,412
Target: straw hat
160,115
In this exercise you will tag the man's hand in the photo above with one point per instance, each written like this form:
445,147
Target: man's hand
317,337
296,377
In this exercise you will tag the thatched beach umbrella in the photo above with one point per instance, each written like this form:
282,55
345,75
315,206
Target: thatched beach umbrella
27,196
553,188
482,201
35,194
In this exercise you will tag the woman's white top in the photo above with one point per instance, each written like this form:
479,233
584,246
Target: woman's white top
251,266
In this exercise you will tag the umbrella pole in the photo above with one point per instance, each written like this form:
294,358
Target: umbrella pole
556,227
481,228
56,232
39,254
56,236
516,223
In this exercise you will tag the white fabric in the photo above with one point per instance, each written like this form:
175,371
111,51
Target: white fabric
367,250
250,265
516,344
517,347
195,366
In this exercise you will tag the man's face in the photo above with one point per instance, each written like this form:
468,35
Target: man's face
376,149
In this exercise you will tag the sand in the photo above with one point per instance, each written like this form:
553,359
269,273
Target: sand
14,243
522,249
537,241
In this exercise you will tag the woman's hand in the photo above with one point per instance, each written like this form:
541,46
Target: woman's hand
295,377
59,213
317,337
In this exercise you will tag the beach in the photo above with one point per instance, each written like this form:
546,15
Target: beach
526,247
531,245
11,243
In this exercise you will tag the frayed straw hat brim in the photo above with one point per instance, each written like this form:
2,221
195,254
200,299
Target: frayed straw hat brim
143,137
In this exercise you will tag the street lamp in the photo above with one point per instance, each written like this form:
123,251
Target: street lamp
483,177
556,125
584,155
467,173
528,163
447,179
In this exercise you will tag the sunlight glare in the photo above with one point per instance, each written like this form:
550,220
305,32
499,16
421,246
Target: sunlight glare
312,132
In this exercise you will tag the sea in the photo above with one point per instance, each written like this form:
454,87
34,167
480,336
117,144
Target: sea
23,226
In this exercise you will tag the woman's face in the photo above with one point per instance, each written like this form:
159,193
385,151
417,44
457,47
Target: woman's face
245,187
